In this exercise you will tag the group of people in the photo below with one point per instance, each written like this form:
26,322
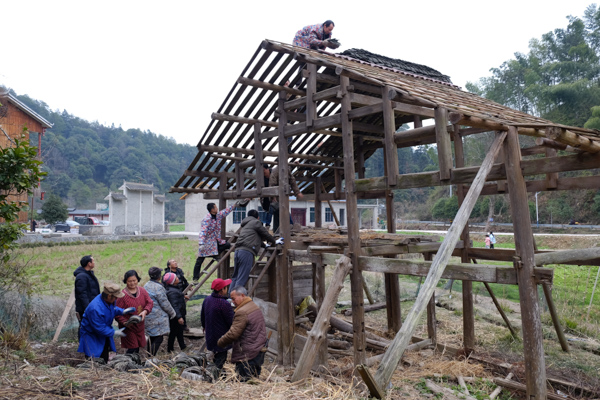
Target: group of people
159,308
490,240
154,310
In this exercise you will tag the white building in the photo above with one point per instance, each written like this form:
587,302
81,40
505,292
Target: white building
136,210
302,212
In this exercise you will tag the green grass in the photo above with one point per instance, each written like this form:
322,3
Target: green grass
50,269
176,227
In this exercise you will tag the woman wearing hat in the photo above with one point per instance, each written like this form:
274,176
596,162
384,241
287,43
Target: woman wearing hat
177,300
157,322
134,296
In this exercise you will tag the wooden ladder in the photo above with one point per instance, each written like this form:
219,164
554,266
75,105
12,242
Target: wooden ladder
265,263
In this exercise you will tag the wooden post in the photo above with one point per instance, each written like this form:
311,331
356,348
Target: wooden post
389,127
358,316
318,333
551,178
223,271
239,176
311,89
500,159
285,325
318,204
360,160
554,314
394,353
417,121
535,367
65,315
443,143
319,296
392,285
431,321
467,286
258,160
337,175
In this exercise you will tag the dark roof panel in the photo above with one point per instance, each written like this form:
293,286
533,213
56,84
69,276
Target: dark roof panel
397,64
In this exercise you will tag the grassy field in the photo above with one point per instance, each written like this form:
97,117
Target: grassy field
51,268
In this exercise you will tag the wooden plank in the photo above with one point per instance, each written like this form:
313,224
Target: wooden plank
242,120
366,376
233,150
286,326
392,285
501,311
318,333
319,296
442,139
321,123
535,369
400,342
318,96
65,315
318,205
244,194
354,246
269,86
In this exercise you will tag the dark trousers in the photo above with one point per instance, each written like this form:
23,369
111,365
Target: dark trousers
276,220
250,368
132,351
219,359
176,333
155,342
105,350
243,262
200,260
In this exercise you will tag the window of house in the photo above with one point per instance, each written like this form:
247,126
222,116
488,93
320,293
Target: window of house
239,213
342,216
328,215
312,214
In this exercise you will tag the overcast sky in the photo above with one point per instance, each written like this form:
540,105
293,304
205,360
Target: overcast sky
166,66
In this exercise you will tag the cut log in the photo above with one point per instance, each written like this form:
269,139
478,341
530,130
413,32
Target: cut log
497,391
413,347
319,331
368,308
394,353
446,393
566,256
519,386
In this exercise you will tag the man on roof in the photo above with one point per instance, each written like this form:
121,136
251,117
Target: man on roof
315,36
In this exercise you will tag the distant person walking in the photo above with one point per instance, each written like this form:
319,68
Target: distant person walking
487,241
492,240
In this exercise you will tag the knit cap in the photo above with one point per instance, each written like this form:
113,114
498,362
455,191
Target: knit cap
169,278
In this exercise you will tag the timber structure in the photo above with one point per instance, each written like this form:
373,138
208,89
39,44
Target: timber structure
320,116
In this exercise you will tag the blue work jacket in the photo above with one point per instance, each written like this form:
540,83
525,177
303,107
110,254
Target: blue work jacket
96,327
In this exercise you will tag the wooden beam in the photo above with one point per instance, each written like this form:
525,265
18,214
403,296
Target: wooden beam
364,111
539,166
311,89
258,160
570,138
244,194
392,285
583,182
361,99
554,315
400,342
269,86
320,123
242,120
318,96
389,126
564,256
535,369
233,150
286,325
318,333
354,246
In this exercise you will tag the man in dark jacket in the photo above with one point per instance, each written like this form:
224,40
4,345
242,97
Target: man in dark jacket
86,286
251,238
216,318
247,334
173,267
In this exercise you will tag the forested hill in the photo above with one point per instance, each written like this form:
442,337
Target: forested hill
85,160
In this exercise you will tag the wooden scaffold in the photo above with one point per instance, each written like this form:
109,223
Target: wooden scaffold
319,116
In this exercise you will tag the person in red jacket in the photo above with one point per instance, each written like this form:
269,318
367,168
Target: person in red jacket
134,296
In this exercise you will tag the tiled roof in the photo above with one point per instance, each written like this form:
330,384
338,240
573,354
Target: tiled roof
116,196
138,186
160,198
392,64
20,105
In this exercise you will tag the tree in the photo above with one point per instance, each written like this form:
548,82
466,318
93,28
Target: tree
20,174
594,121
54,210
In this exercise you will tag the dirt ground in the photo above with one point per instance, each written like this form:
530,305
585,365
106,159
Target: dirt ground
50,370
